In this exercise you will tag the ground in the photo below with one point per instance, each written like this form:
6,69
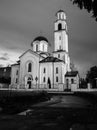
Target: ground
61,112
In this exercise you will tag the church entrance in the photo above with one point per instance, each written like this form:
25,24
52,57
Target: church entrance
29,84
28,81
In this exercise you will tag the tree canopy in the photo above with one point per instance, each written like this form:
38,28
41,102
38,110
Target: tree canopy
89,5
91,76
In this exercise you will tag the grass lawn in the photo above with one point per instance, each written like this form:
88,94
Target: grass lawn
13,102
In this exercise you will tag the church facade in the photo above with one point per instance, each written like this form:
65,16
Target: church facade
38,69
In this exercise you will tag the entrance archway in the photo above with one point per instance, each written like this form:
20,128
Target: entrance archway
28,81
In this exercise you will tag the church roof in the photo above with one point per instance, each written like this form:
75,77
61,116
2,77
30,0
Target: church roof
59,51
15,64
51,59
40,38
71,74
30,52
18,63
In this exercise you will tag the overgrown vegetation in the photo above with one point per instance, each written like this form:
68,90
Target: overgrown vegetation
91,76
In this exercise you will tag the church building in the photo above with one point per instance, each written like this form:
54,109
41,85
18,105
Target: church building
38,69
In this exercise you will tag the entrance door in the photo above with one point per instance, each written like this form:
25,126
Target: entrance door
28,81
29,84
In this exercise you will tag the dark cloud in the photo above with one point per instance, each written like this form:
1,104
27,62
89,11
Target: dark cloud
83,53
85,50
4,57
1,65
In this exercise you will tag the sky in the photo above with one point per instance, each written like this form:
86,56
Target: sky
23,20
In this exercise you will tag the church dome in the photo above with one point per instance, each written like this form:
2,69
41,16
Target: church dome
40,44
60,11
40,38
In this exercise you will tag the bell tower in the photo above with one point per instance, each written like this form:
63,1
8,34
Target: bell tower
61,38
60,32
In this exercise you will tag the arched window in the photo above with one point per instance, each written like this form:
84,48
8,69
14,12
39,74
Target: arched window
59,26
36,47
56,78
56,70
17,72
72,81
44,79
29,67
44,70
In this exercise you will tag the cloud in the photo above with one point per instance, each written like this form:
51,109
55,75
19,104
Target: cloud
1,65
83,53
7,56
4,56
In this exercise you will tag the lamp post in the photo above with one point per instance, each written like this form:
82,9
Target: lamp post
53,74
31,82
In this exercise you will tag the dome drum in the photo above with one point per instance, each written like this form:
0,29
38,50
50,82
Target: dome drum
40,44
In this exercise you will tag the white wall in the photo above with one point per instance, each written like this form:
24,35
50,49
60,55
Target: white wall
75,85
65,57
42,46
51,73
48,73
63,42
62,55
28,57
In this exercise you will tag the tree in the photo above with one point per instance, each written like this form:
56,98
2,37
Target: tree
83,83
91,76
89,5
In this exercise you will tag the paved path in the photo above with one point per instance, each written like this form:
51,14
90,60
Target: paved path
65,101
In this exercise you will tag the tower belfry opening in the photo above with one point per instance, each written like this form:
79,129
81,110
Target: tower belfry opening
59,26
